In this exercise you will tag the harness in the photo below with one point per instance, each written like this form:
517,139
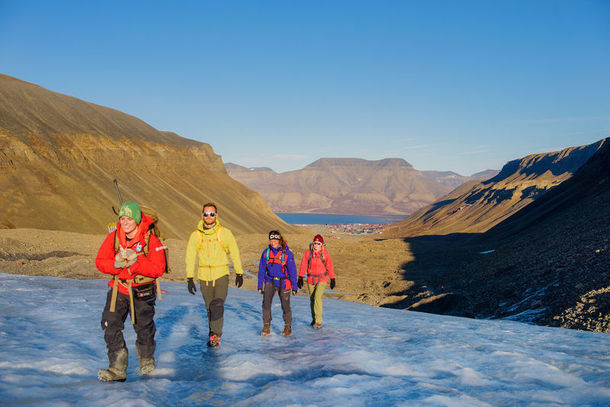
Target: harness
138,279
316,277
219,229
279,258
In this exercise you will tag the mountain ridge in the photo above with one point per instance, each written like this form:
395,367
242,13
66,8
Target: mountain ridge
477,206
59,155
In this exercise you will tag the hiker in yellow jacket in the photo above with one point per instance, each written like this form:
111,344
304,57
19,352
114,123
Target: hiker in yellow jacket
210,244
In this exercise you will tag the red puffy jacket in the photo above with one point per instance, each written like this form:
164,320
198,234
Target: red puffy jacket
316,269
151,266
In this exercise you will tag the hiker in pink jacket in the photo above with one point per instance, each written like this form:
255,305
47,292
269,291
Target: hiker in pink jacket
318,265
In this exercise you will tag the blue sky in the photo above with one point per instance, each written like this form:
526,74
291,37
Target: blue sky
446,85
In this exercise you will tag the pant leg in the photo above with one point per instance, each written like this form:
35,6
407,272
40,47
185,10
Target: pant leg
113,323
286,309
315,297
311,289
214,295
268,292
145,328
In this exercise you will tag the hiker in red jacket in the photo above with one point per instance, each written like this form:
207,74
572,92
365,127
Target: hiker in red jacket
318,265
134,256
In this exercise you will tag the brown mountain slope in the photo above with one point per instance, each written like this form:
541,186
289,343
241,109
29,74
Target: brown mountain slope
344,186
548,263
553,256
59,155
477,206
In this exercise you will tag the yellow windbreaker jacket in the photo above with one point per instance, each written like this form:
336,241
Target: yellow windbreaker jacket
212,245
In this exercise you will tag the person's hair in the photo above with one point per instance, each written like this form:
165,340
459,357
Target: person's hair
282,241
212,204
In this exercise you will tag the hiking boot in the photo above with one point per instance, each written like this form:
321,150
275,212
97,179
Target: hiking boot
147,365
317,325
117,371
266,329
214,341
287,330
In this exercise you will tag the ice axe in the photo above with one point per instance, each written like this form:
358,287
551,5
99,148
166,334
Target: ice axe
118,191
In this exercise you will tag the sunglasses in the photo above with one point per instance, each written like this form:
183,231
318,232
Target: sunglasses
212,214
317,243
271,237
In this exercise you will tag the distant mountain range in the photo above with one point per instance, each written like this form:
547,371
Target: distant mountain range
350,186
59,155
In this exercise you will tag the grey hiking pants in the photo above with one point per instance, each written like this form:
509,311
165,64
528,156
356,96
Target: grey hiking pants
214,295
269,291
113,324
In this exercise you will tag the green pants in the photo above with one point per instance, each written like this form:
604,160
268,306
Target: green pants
316,291
214,295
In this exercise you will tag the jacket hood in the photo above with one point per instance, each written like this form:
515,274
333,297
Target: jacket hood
204,230
279,248
142,229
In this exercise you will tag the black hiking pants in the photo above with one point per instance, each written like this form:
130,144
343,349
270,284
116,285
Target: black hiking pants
269,291
113,324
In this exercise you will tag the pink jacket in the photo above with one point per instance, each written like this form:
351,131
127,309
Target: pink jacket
316,269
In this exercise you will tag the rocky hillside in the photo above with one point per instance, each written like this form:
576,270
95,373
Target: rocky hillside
552,259
548,263
477,206
344,186
59,155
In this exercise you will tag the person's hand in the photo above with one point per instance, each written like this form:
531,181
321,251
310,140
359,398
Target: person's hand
332,283
239,280
300,282
294,292
130,257
191,285
119,260
260,290
125,258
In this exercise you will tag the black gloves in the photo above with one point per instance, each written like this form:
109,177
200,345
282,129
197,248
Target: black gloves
191,285
332,283
300,282
239,280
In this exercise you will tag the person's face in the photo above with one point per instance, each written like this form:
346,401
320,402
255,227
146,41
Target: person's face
317,246
209,216
275,243
128,225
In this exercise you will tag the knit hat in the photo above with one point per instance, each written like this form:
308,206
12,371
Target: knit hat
131,210
318,238
274,234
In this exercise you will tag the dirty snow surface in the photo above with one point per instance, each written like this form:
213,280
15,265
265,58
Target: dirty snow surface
51,346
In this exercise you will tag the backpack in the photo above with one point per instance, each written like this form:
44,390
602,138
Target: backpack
316,278
218,231
282,262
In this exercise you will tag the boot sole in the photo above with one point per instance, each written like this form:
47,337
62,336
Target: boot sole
108,380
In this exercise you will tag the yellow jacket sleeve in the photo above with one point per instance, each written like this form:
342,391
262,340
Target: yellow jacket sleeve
228,240
191,254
